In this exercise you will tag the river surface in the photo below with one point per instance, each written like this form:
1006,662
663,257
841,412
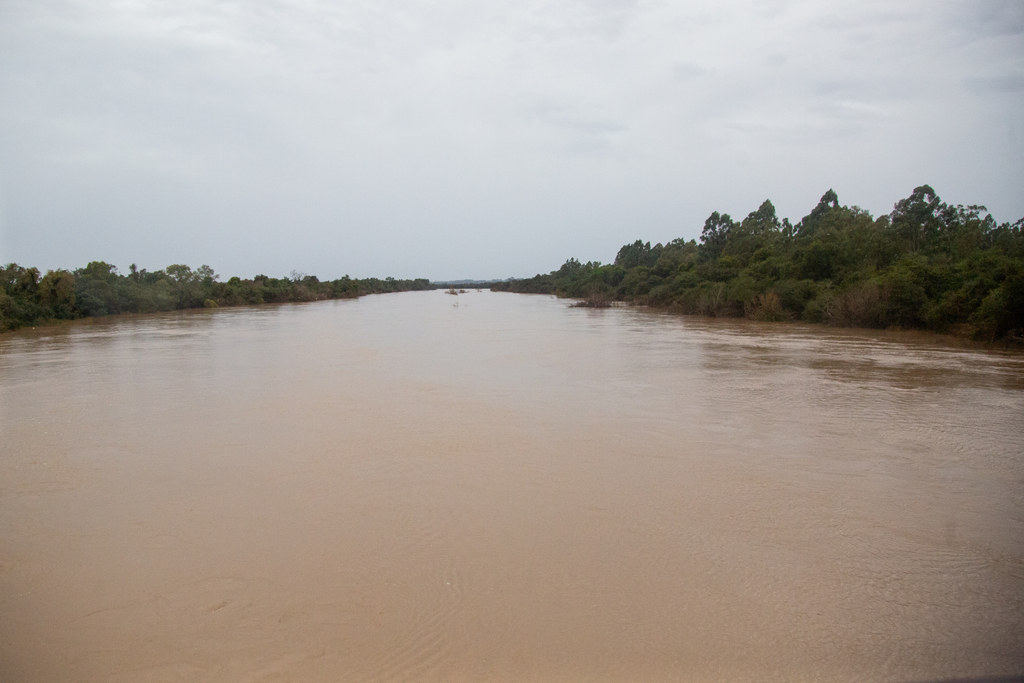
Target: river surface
495,487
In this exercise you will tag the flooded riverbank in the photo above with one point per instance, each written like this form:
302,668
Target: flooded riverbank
399,488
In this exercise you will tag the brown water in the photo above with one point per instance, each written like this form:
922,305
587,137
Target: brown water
400,489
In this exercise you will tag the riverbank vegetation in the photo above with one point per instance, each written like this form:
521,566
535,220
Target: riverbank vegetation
926,265
28,297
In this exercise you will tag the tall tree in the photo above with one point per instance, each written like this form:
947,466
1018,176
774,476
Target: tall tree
715,235
914,219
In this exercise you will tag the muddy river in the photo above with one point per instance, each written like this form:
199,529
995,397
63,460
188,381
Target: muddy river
495,487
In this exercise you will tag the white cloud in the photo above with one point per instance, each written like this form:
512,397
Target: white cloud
369,137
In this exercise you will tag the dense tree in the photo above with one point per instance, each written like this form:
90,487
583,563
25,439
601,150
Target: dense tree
638,254
927,264
99,289
715,235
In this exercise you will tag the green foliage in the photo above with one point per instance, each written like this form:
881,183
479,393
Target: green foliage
714,237
99,289
56,291
927,264
638,254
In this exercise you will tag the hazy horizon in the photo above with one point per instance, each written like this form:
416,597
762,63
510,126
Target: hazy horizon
467,141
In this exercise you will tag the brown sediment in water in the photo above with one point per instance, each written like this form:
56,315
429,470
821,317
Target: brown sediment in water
391,488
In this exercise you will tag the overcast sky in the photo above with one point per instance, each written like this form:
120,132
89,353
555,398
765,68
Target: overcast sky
478,139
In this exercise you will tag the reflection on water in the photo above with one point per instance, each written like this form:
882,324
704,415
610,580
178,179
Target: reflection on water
396,488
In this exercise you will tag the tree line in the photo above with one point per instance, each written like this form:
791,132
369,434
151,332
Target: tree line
28,297
926,265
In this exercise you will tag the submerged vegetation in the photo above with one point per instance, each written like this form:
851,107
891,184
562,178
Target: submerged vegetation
927,265
27,297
